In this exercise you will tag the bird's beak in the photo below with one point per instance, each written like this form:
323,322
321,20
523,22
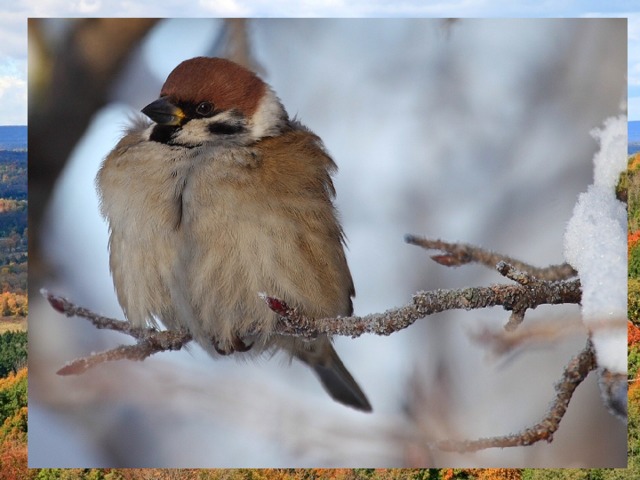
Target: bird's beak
163,112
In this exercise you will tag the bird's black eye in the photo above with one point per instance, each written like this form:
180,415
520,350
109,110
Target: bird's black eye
204,109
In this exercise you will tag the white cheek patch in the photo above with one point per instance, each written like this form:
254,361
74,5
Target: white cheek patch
224,117
270,116
194,132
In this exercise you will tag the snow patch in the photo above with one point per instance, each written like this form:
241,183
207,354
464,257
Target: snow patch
595,244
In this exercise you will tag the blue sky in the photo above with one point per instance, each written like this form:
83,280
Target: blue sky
13,25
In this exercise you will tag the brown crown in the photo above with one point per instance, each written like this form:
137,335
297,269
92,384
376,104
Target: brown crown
224,83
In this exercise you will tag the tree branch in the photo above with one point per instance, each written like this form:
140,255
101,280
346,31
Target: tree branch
149,340
460,254
530,293
533,287
573,375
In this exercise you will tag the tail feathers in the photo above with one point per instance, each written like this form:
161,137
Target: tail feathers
336,379
342,387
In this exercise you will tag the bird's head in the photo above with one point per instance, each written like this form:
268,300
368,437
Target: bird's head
214,101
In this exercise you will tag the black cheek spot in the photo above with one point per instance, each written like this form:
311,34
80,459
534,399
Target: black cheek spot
162,133
226,128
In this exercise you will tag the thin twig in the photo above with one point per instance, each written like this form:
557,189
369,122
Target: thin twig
63,305
460,254
149,340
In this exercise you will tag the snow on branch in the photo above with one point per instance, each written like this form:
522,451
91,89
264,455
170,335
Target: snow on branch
595,244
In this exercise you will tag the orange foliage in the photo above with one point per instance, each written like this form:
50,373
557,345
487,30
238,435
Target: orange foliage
322,474
12,379
13,437
632,239
498,474
447,474
163,474
13,460
259,474
482,474
13,304
634,392
633,338
634,162
235,474
633,334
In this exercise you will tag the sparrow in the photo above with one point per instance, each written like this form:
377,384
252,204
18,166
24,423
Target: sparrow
221,196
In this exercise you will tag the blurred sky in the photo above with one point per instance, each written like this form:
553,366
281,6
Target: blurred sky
13,48
476,131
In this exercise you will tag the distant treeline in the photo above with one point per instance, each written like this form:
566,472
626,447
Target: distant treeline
13,217
13,137
13,352
13,175
13,228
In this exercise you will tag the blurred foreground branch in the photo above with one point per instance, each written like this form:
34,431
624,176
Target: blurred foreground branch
71,80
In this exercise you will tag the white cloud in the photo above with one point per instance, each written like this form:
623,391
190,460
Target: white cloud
13,98
225,7
89,6
6,83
